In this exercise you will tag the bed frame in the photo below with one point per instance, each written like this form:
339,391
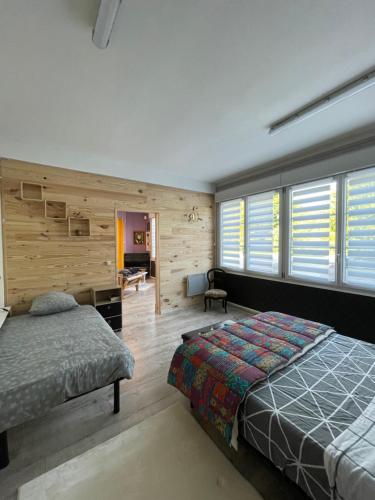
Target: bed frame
250,463
266,478
4,452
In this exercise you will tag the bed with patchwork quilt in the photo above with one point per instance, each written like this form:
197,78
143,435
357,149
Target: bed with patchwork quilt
283,383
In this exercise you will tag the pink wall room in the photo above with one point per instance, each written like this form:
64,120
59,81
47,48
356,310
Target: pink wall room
134,221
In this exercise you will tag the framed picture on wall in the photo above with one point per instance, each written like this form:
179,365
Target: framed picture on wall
139,237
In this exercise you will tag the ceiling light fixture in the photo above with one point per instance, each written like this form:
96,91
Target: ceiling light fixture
344,92
105,20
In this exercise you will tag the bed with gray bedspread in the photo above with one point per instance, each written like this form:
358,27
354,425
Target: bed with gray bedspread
298,412
46,360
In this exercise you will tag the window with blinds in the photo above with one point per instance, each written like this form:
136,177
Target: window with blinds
328,238
359,224
312,231
232,234
263,213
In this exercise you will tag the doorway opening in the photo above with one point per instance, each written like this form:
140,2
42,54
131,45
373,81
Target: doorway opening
137,243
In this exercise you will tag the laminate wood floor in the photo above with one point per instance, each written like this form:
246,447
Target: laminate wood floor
80,424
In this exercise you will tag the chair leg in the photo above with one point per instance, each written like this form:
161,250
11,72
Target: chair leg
225,307
209,304
116,396
205,304
4,456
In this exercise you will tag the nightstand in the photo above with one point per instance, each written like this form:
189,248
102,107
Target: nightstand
107,301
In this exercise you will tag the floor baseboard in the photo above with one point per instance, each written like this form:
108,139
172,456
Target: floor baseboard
247,309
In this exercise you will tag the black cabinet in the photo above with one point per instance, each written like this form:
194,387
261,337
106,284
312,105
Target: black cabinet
115,322
110,309
107,301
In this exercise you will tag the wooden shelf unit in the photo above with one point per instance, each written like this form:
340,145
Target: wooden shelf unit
31,191
55,210
79,228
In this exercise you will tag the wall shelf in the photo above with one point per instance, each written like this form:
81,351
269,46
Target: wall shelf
79,228
31,192
55,210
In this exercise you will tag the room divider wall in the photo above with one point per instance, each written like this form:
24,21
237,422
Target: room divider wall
39,255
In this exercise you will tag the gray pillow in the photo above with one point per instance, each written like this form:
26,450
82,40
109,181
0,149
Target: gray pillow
51,303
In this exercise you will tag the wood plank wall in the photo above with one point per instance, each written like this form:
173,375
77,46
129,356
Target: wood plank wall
39,256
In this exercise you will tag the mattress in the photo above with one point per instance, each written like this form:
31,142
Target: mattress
299,411
45,360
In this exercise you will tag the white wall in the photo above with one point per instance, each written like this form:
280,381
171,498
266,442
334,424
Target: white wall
341,163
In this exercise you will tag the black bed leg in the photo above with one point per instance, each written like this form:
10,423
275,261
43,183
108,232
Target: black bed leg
4,456
116,396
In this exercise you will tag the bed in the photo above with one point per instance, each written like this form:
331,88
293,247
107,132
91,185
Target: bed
299,411
47,360
304,409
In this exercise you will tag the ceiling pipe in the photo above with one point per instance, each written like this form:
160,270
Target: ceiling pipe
108,10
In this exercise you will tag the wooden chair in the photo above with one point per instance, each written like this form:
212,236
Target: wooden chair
214,293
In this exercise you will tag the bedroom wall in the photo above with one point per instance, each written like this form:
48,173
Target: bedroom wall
39,256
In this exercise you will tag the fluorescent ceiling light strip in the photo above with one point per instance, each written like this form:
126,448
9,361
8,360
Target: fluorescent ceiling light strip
344,92
105,20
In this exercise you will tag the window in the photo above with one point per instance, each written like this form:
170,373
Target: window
359,227
263,211
312,231
321,231
232,234
153,238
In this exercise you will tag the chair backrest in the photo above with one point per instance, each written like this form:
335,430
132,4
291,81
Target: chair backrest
211,275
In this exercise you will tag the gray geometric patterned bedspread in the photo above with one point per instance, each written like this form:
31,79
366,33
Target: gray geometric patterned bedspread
300,410
45,360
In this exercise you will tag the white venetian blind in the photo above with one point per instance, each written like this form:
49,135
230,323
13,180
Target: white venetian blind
359,216
232,234
263,232
312,231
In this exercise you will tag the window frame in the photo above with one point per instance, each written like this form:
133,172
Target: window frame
283,275
260,274
153,238
219,239
343,285
287,236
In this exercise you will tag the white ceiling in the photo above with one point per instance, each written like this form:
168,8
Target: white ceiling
185,92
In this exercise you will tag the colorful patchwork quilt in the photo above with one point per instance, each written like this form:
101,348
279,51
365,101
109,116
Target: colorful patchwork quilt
216,369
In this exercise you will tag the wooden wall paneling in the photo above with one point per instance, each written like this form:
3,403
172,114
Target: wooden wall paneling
39,255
